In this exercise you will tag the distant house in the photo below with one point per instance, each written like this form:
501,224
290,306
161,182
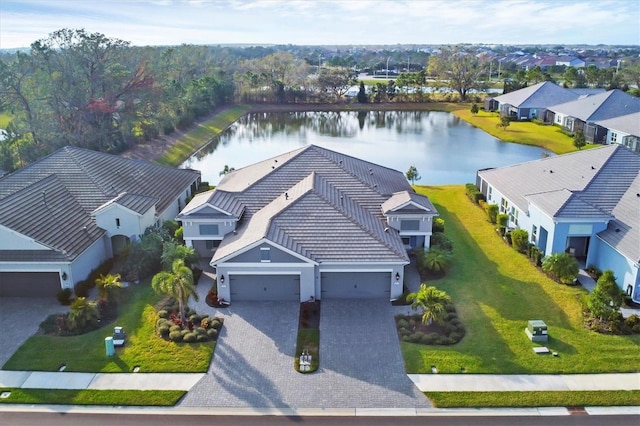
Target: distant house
624,130
531,102
582,115
570,61
586,203
311,223
63,215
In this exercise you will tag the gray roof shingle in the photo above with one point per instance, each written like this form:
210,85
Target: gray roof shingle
74,182
629,124
541,95
603,106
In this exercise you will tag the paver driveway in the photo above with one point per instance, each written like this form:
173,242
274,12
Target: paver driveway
20,318
360,361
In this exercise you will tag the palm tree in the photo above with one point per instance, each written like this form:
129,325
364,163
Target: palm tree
106,283
226,170
177,283
435,260
172,251
431,301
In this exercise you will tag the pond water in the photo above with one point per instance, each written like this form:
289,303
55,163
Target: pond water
444,148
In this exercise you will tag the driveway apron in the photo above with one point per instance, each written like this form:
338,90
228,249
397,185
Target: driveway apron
20,318
360,361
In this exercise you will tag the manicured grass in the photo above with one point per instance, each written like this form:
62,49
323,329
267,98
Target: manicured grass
86,353
92,397
201,135
527,133
5,118
534,399
496,291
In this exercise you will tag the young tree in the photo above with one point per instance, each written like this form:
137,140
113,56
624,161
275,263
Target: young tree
177,283
431,301
172,251
579,140
362,94
435,260
605,300
456,68
504,122
412,174
106,283
226,170
474,109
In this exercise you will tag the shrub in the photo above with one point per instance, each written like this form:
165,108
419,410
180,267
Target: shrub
200,330
520,240
212,333
507,237
185,332
189,337
594,271
163,313
163,331
633,324
502,220
216,324
438,225
81,289
175,336
202,338
562,267
440,241
474,193
435,260
175,328
64,296
492,213
83,314
402,323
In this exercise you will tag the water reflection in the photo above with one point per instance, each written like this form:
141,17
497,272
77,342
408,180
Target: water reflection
444,148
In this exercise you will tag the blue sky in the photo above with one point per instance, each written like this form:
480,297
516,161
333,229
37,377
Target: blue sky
343,22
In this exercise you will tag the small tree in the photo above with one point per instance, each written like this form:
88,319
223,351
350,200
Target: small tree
226,170
106,284
172,251
362,94
474,109
413,175
562,266
492,213
579,140
178,283
435,260
504,122
520,240
431,301
83,314
605,300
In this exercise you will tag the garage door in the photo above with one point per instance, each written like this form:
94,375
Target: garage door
265,287
29,284
356,285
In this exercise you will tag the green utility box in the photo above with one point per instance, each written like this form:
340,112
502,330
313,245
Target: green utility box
537,331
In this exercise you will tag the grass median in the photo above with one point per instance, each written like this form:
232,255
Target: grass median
534,399
92,397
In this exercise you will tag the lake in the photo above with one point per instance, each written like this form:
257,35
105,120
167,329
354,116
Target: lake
444,148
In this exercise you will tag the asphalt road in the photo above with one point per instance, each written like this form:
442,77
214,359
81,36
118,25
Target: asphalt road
98,419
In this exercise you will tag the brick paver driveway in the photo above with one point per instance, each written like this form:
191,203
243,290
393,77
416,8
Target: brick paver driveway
360,360
20,318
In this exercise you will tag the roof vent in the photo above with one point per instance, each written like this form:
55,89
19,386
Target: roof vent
593,168
286,195
617,229
386,229
550,171
275,161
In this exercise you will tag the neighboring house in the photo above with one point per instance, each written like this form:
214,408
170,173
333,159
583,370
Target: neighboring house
570,61
582,115
624,130
586,203
311,223
531,102
63,215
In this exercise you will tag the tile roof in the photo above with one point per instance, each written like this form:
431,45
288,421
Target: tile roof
319,203
541,95
623,233
74,182
629,124
404,198
603,106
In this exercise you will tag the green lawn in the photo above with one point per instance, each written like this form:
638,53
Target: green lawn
92,397
527,133
5,118
534,399
201,135
496,291
86,353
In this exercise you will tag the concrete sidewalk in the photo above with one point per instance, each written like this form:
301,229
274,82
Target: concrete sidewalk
525,382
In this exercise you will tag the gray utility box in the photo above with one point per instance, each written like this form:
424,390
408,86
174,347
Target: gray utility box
537,331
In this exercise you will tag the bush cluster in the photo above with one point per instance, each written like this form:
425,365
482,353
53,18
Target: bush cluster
411,330
617,325
474,193
197,328
81,288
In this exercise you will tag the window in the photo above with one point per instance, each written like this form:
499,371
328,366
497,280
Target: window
534,234
504,206
209,244
409,225
490,191
265,254
208,229
513,216
614,137
117,222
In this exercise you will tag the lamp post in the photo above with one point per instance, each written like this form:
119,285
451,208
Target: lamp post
388,67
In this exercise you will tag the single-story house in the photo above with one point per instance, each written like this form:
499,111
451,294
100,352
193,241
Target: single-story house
584,114
570,61
530,102
310,223
624,130
586,203
65,214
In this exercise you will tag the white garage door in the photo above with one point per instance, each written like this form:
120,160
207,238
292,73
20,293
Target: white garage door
265,287
29,284
356,285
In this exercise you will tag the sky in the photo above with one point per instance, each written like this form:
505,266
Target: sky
327,22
